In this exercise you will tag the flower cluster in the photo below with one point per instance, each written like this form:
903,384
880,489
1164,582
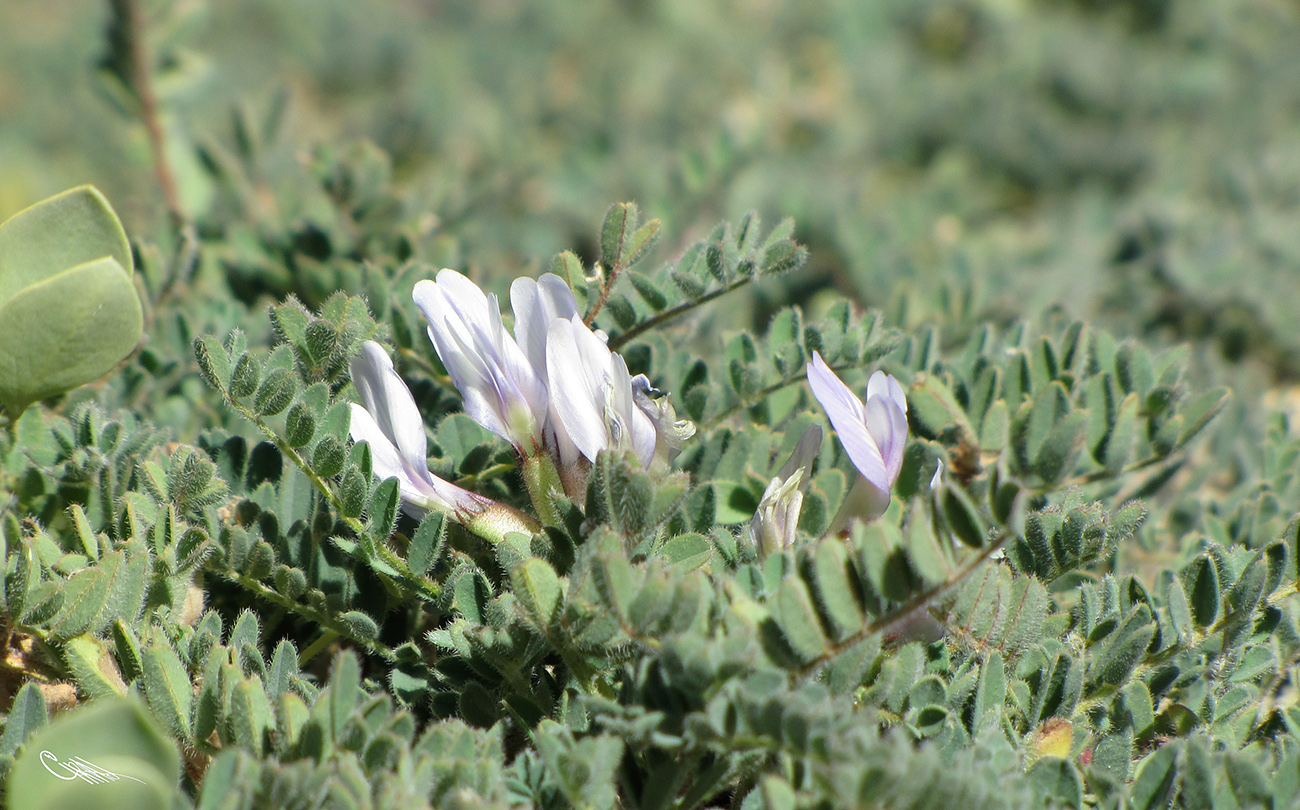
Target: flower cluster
553,389
560,396
874,434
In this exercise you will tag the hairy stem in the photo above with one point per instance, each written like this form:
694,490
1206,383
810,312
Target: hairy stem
424,587
543,482
617,341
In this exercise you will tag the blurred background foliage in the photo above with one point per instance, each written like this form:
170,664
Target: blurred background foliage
1128,160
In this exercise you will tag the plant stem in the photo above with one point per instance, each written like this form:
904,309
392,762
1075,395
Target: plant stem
617,341
543,482
423,586
132,15
318,646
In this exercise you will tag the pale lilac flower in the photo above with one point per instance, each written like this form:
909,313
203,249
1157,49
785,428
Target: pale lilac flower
874,435
592,395
391,424
499,385
776,520
536,304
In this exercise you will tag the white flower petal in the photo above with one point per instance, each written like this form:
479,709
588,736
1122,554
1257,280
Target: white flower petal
391,424
831,391
575,386
389,401
498,383
638,430
535,304
384,458
847,416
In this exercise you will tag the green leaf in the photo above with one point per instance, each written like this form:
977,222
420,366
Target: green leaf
299,425
934,411
613,577
27,715
648,291
214,362
798,620
1119,441
275,393
783,257
1196,776
427,544
1058,779
68,307
620,220
776,794
687,551
359,625
641,242
1180,613
1155,781
1060,447
990,693
1202,580
1249,784
20,586
1198,413
328,457
246,376
92,667
353,491
834,588
251,716
385,506
1126,649
114,734
963,518
344,691
539,591
168,689
83,600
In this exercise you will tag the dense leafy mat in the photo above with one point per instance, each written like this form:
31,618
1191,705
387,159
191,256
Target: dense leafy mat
1063,227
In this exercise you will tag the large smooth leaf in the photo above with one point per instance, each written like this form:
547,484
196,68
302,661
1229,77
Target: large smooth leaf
125,761
68,308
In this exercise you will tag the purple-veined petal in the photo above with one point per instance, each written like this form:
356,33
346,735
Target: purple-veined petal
888,427
848,417
831,391
498,383
419,492
884,385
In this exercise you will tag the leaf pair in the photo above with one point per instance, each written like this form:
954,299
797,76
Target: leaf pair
68,307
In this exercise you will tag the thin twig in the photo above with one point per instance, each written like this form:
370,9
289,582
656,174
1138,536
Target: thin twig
617,341
142,83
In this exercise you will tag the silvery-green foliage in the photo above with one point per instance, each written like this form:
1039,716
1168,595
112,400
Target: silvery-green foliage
1092,605
642,651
